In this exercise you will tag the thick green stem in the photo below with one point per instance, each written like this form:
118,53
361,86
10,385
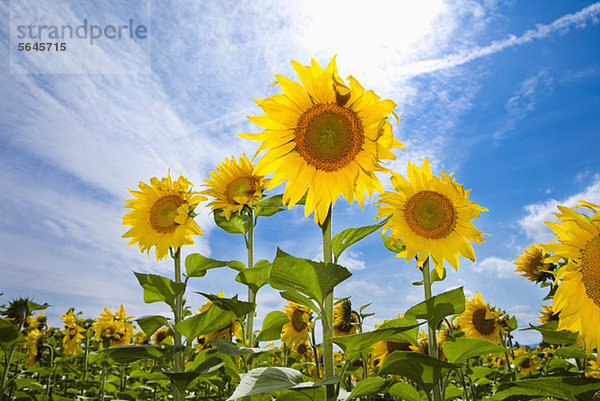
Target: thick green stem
432,338
327,318
7,361
102,381
315,352
178,361
251,294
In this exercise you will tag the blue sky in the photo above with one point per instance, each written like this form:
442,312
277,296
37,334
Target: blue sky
503,93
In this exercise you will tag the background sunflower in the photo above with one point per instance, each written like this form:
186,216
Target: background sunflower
479,320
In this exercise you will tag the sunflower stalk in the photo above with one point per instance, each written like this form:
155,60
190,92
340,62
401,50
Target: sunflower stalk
251,294
327,318
7,361
432,338
178,361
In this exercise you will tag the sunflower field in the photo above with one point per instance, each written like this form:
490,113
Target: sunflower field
321,137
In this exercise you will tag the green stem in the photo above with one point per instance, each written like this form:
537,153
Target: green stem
327,312
7,361
52,369
251,294
102,382
178,362
432,338
86,351
315,352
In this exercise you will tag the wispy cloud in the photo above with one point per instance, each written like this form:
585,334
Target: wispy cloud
498,267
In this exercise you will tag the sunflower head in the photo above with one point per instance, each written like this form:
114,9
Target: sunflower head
577,297
234,185
37,322
431,217
479,320
534,263
345,320
526,362
34,341
296,330
593,369
162,336
73,333
162,215
113,329
18,311
325,136
547,314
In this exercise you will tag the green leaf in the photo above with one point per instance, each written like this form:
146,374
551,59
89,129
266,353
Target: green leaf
405,392
210,321
239,308
272,325
350,236
391,244
9,333
439,306
551,335
269,206
298,298
422,369
313,279
570,352
130,353
159,289
570,388
264,380
237,224
461,349
356,345
32,306
196,265
236,265
231,349
435,277
183,379
368,386
255,277
149,324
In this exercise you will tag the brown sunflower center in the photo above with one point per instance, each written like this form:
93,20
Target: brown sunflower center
298,320
241,189
526,364
590,268
163,213
329,136
302,348
430,214
483,325
393,346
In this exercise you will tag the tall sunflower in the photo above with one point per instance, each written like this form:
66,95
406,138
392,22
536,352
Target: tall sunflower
162,215
345,320
73,333
533,263
296,330
431,216
324,137
479,320
234,185
577,298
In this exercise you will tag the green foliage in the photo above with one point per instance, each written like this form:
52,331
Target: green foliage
350,236
130,353
367,387
552,335
461,349
238,223
149,324
255,277
391,244
233,350
420,368
356,345
405,392
439,306
196,265
239,308
9,334
272,325
159,288
210,321
563,388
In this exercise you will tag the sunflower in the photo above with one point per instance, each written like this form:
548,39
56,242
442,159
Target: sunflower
162,215
296,330
163,336
345,320
381,350
548,314
114,328
527,363
577,298
234,185
303,350
34,342
324,137
140,338
533,263
479,320
593,370
36,322
73,333
431,216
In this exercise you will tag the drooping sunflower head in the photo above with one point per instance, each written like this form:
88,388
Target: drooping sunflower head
73,333
325,137
234,185
479,320
34,345
547,314
162,215
296,330
431,216
17,311
345,320
577,298
533,263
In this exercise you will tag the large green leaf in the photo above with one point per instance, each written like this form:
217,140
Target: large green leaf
313,279
571,388
356,345
420,368
369,386
237,223
196,265
231,349
210,321
570,352
405,391
130,353
149,324
350,236
272,325
461,349
439,306
239,308
183,379
255,277
298,298
9,333
552,335
159,289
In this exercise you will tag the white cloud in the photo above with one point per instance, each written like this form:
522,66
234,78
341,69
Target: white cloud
498,267
352,260
362,287
536,214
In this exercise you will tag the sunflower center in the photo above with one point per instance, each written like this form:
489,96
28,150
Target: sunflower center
163,213
302,349
329,136
297,321
242,187
430,214
590,267
483,325
526,364
393,346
